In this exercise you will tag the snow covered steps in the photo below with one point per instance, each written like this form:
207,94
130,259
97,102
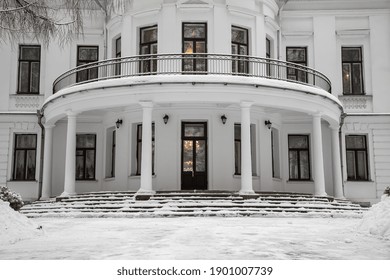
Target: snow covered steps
206,203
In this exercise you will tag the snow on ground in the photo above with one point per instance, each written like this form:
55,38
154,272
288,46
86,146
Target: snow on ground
377,220
200,238
15,226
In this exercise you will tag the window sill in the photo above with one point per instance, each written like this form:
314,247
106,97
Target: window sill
108,179
276,179
139,176
254,176
87,181
22,181
359,181
300,181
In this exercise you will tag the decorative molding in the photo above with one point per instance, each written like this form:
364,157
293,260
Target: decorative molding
358,103
191,4
353,33
26,102
271,23
298,34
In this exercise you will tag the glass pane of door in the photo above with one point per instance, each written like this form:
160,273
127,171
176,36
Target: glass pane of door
200,155
188,159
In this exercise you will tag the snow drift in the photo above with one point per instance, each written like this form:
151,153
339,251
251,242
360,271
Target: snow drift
377,220
15,226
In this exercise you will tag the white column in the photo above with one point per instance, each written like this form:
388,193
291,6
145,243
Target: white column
47,162
318,172
336,163
146,162
246,158
70,157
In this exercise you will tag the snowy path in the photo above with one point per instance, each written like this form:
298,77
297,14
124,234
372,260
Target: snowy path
200,238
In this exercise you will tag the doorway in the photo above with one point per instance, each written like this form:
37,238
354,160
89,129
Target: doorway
194,156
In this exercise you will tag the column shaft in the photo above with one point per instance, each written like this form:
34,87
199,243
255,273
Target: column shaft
47,162
246,158
146,163
336,164
70,157
318,172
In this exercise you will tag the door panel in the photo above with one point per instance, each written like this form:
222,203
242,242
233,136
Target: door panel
194,156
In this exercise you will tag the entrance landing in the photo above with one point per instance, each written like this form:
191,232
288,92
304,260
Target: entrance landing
193,204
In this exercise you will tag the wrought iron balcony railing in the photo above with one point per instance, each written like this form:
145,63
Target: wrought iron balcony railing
198,64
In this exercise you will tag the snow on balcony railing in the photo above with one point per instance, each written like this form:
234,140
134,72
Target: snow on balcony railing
192,64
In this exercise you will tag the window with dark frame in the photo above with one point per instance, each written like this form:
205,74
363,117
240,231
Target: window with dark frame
357,162
148,45
275,153
268,54
85,156
299,157
29,69
25,151
118,54
87,54
352,65
113,153
237,148
297,55
240,47
194,41
139,149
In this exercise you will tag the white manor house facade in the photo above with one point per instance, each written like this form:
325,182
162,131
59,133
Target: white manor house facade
223,95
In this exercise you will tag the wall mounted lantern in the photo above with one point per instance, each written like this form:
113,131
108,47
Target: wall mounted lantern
268,124
119,123
223,119
166,118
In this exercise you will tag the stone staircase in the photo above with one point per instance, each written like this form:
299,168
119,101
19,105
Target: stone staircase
200,203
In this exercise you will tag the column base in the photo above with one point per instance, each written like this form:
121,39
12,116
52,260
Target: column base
321,194
143,195
66,194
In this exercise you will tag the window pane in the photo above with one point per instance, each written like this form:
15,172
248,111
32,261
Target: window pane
34,79
351,164
26,141
30,165
85,141
194,30
149,35
88,53
90,164
237,157
296,54
200,47
234,49
19,165
200,150
347,78
355,142
243,50
139,157
30,53
298,142
23,77
188,47
293,164
351,54
118,46
196,130
362,165
80,166
357,78
239,35
237,131
304,165
188,155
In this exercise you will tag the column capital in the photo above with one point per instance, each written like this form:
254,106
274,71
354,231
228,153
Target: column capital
71,114
246,104
334,127
48,126
146,104
317,114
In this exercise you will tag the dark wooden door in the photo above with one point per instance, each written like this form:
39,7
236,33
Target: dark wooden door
194,156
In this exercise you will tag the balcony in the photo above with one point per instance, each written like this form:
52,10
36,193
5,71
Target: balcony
192,64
